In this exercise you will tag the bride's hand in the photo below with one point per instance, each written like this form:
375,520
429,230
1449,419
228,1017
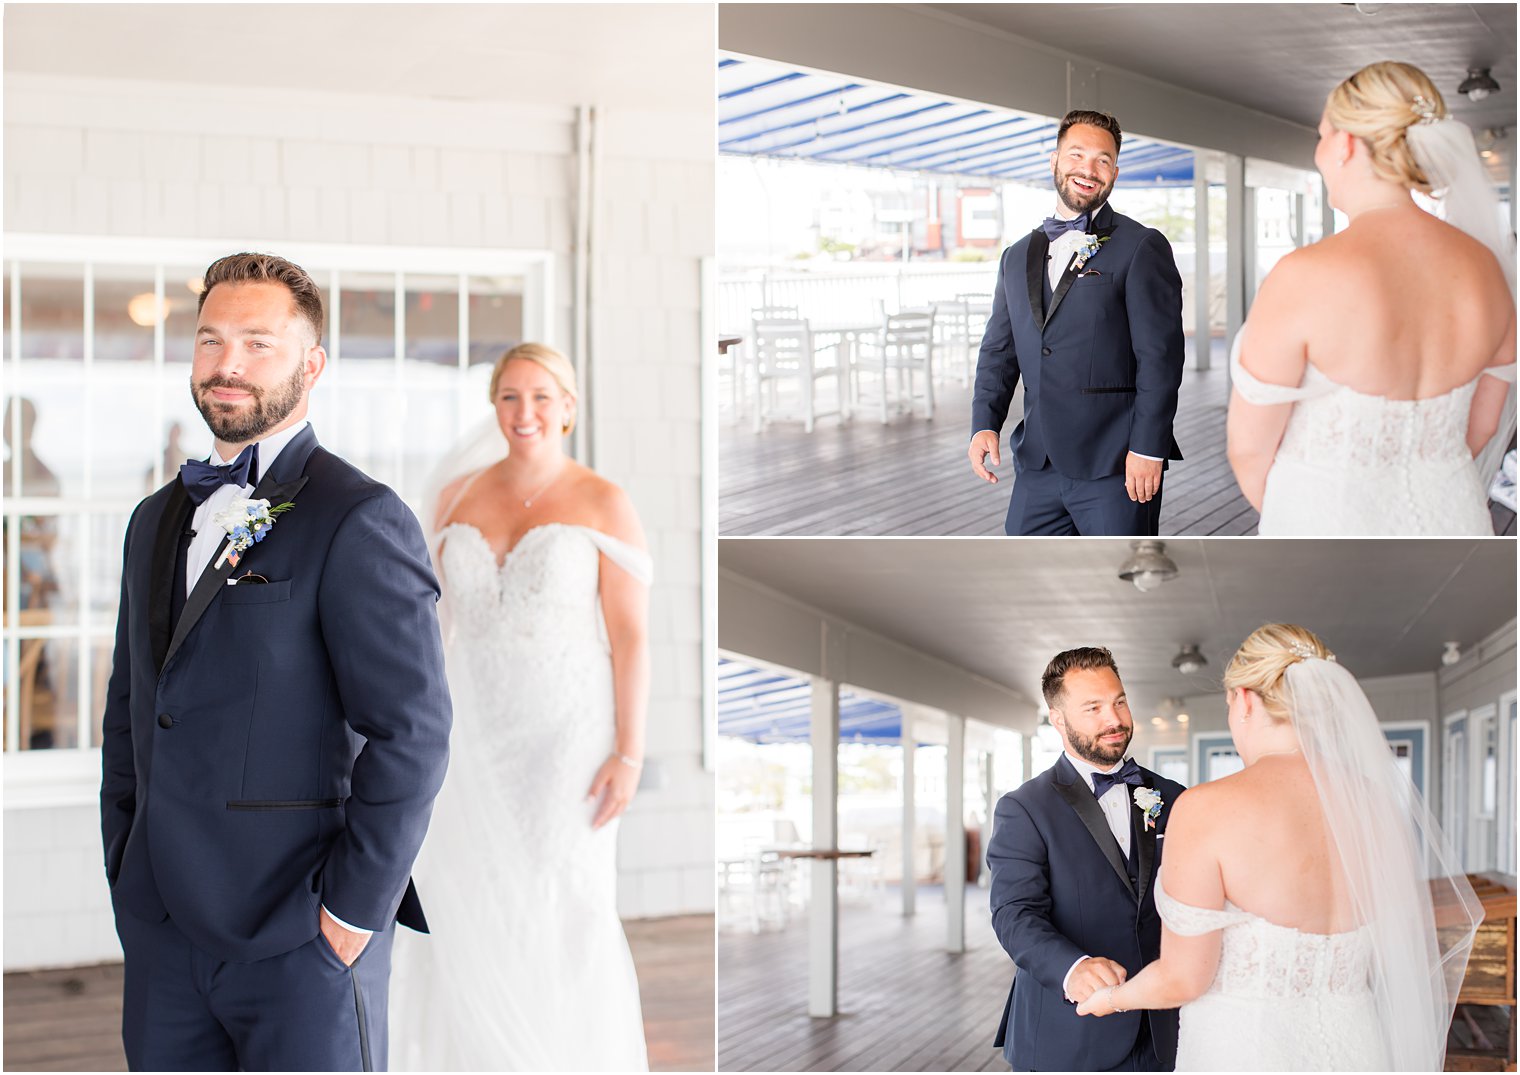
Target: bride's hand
615,783
1100,1003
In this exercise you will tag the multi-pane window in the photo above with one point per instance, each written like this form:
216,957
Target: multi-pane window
97,344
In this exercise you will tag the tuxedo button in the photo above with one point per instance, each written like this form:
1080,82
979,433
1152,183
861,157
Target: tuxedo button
165,721
1044,350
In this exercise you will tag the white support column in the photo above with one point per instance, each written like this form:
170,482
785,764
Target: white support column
1203,287
1300,218
1235,244
955,835
1326,212
909,820
1249,233
823,905
1026,757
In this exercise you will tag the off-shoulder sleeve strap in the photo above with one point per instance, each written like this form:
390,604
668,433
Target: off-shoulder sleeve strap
631,559
1192,921
1502,373
1254,390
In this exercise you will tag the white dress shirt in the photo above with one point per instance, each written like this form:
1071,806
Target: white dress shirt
1115,802
208,536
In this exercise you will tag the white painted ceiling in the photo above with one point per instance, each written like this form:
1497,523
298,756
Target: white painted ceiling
1282,59
1002,609
538,54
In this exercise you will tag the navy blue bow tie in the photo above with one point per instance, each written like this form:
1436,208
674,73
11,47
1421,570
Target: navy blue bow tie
1128,773
201,479
1054,227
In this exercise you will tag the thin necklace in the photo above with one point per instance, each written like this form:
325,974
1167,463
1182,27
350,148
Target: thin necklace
542,489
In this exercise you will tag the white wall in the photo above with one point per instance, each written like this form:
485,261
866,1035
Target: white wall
118,158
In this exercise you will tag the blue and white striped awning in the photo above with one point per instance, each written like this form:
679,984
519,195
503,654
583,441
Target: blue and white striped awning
767,110
769,707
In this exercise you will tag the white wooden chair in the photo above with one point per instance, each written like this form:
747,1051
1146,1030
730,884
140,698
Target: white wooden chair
904,349
785,354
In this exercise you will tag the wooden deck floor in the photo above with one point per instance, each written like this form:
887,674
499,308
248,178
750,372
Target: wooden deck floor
70,1020
910,476
906,1004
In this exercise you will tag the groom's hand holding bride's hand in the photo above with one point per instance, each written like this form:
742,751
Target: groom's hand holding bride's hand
616,781
1090,975
345,943
982,450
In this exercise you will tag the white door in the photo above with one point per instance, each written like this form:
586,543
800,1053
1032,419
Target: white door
1455,812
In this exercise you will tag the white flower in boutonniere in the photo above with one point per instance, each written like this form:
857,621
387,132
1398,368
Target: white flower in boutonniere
246,523
1091,244
1149,801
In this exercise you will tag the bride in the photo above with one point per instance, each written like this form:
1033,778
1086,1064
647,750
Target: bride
545,583
1301,897
1376,363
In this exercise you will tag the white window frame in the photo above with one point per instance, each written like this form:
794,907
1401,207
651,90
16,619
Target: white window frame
1507,777
71,775
1482,828
1455,816
1390,730
1171,752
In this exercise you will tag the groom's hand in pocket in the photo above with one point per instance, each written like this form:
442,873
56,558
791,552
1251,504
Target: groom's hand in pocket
345,943
1092,974
983,451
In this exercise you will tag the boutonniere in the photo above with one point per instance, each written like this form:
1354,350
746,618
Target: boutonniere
1149,801
1091,244
246,523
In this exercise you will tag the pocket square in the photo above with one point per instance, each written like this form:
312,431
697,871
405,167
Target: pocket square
1090,272
249,579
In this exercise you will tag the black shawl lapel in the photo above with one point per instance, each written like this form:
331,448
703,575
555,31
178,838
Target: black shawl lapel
1080,798
1034,271
171,526
282,483
1147,838
1063,285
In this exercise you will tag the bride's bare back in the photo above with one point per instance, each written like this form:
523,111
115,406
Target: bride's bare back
1399,305
1265,827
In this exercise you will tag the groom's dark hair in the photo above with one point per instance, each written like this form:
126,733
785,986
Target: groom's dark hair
267,268
1101,120
1084,659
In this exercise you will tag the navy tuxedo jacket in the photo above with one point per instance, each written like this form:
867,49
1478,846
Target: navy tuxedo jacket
1060,891
279,747
1101,356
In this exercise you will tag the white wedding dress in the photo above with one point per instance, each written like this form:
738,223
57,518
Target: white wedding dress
1356,464
1282,999
527,967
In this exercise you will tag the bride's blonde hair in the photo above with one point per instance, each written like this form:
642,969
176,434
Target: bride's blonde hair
1377,104
556,364
1263,658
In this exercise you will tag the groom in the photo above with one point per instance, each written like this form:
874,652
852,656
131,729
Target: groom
1088,311
276,722
1073,860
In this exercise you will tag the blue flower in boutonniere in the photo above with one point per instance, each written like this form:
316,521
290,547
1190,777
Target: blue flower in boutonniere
1091,244
246,523
1149,801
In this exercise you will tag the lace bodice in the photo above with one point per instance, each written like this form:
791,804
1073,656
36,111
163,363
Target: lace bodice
1260,959
1332,422
543,593
1357,464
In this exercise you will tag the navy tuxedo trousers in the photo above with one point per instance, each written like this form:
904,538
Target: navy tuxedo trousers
302,1010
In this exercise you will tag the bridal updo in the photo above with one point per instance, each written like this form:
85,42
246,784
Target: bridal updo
1377,104
1263,658
557,365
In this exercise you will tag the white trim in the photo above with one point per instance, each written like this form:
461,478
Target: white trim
1187,758
1507,775
40,779
709,508
1456,828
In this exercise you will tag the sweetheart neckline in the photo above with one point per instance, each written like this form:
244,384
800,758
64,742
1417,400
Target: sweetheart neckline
521,540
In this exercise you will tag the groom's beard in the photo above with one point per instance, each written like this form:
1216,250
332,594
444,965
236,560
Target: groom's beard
1096,751
1073,198
266,410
